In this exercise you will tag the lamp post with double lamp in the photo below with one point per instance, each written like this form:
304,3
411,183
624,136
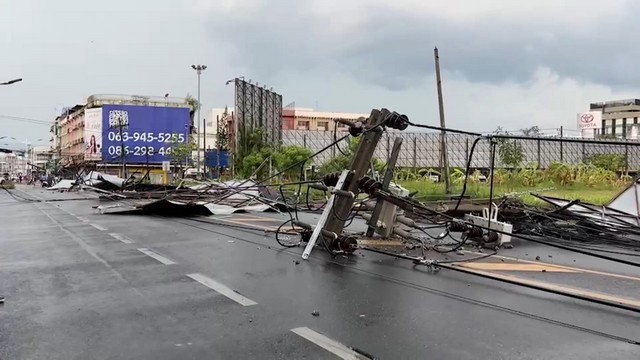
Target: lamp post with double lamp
199,69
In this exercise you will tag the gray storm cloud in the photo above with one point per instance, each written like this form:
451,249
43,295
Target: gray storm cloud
393,49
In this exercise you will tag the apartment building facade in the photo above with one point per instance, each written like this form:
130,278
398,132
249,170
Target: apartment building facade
618,117
13,164
309,119
68,136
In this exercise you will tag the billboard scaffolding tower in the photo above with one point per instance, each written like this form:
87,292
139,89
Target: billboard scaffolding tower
256,108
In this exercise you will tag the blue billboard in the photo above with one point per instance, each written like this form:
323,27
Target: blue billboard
214,158
142,134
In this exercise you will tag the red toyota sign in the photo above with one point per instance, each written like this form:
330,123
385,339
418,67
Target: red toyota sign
589,120
586,118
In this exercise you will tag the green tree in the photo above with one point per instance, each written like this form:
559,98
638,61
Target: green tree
193,106
251,153
510,151
193,102
182,154
611,162
287,156
343,160
222,139
251,162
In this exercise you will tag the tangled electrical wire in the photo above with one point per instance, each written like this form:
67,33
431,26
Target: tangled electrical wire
546,229
369,185
580,232
19,198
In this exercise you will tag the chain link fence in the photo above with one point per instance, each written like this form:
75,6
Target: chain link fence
422,150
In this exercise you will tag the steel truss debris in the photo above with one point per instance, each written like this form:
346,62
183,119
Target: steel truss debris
390,212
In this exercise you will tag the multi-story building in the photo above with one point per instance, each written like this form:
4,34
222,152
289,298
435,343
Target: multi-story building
309,119
39,156
618,116
54,140
13,164
69,132
68,135
4,163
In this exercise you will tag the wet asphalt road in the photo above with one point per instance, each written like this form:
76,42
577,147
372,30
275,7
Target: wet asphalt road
81,285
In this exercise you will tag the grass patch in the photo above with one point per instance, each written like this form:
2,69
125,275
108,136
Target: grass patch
597,194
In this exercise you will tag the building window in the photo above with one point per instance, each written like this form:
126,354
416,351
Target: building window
613,127
323,125
604,127
635,120
303,125
624,128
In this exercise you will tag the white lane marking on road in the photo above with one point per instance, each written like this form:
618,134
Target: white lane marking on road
32,195
65,211
86,247
122,238
99,227
222,289
157,256
83,219
330,345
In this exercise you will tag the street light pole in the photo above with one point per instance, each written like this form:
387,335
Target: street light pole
11,82
234,150
199,69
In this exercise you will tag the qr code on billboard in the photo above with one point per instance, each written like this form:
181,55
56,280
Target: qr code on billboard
118,118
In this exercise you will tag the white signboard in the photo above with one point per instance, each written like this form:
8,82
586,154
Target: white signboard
93,134
166,166
589,120
633,130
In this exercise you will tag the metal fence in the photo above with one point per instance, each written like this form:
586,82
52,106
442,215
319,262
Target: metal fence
422,150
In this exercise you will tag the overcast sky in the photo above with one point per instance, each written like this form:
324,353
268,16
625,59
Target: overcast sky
511,63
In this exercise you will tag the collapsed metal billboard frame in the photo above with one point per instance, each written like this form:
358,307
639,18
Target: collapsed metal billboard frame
257,107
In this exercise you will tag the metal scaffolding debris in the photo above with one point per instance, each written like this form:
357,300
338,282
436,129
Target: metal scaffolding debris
391,215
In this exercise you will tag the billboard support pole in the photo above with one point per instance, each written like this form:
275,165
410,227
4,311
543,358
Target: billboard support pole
204,144
122,153
189,144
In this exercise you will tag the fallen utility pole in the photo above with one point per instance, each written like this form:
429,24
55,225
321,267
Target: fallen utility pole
444,158
388,176
328,211
358,168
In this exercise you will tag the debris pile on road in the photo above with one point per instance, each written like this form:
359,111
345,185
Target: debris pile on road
198,198
581,224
